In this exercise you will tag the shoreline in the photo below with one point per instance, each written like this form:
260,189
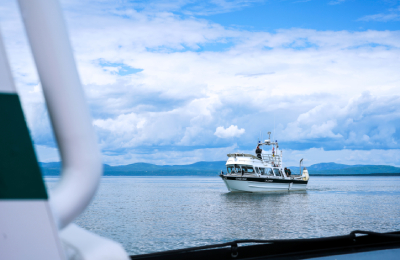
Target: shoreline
311,175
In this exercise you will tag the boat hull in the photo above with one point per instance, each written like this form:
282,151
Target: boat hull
258,184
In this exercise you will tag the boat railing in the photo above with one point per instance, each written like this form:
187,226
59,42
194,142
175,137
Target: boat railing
272,159
266,158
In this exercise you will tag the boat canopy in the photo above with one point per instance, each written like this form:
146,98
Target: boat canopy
275,160
242,155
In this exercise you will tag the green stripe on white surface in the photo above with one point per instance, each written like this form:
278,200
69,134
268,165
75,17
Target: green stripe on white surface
20,176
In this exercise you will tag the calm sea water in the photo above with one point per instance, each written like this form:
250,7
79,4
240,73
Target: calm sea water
149,214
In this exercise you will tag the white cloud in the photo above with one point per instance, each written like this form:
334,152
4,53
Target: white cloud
47,154
290,157
336,2
319,122
311,81
364,122
393,14
232,131
159,157
346,156
193,7
186,125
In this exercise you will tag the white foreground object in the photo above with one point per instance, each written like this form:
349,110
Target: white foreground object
82,244
27,231
305,175
69,114
29,220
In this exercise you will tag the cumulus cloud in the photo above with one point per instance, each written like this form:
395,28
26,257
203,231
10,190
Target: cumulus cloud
186,125
162,157
182,93
364,122
346,156
315,123
232,131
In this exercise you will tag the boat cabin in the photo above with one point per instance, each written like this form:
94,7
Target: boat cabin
247,164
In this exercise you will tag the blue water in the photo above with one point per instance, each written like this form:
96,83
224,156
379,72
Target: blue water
149,214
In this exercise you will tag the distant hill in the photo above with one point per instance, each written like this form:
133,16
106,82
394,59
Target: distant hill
50,169
148,169
343,169
213,168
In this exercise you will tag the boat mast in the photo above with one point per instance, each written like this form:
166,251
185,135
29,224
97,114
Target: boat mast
300,165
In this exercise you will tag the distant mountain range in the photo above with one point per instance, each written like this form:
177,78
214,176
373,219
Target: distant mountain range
213,168
343,169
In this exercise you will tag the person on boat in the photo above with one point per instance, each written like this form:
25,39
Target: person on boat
258,152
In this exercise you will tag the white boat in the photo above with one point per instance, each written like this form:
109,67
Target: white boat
262,173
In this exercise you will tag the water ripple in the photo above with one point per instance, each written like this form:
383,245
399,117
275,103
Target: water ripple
149,214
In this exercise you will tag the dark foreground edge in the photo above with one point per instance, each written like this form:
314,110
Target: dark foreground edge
355,242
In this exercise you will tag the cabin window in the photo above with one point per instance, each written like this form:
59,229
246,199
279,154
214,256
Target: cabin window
247,169
262,171
270,172
229,168
257,170
237,168
277,173
244,168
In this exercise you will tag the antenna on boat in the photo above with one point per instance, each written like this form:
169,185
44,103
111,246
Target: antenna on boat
274,128
262,140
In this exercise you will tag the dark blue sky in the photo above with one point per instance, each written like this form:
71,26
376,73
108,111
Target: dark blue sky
318,15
